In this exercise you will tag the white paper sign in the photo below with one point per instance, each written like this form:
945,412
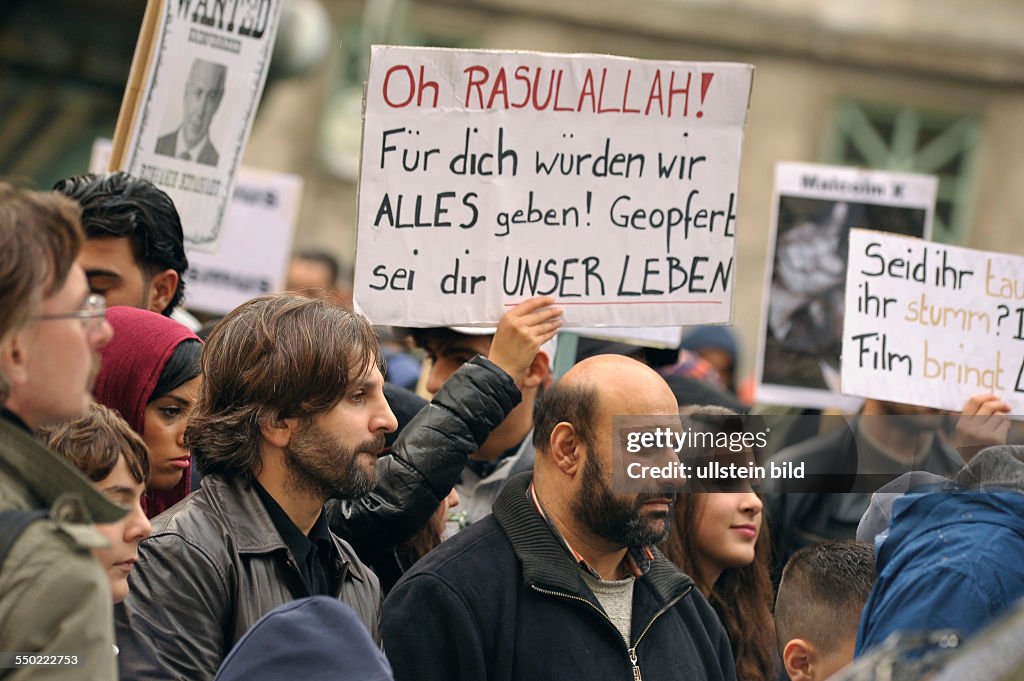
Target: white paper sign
932,325
814,209
209,65
642,336
258,230
491,177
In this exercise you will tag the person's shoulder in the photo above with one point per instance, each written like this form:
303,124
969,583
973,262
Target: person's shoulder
196,511
196,525
44,558
482,545
208,154
165,143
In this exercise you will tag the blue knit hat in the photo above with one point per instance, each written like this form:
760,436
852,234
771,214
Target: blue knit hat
718,337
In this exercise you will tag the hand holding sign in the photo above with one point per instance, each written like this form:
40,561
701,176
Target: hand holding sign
520,334
982,423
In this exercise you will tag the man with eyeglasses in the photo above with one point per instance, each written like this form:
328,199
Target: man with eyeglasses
55,615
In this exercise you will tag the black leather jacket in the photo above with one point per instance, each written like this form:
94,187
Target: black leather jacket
426,460
214,565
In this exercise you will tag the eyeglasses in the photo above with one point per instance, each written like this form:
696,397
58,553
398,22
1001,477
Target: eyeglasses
91,313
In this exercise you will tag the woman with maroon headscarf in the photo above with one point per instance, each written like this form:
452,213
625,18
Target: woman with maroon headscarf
150,375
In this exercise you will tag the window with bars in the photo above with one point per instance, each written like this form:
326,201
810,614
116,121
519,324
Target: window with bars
912,140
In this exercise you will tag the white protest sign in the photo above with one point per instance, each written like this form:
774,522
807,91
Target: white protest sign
932,325
642,336
258,230
259,226
814,209
206,64
491,177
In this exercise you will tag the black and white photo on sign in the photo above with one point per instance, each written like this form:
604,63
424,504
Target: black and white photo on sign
805,316
189,135
190,105
815,207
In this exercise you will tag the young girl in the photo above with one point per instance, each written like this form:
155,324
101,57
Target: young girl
150,376
112,455
721,540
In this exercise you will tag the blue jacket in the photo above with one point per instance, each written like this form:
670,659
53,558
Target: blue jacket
951,561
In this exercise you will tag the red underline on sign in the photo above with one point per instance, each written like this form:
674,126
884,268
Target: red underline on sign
638,302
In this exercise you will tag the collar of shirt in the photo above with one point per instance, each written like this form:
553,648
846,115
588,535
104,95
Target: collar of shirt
15,419
181,146
300,545
637,561
485,468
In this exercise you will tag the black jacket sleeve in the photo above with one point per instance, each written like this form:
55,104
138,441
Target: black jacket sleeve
426,460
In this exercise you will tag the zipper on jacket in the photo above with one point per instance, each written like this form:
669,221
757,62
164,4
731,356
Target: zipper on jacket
630,651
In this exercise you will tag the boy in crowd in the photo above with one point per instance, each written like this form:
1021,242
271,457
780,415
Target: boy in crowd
823,590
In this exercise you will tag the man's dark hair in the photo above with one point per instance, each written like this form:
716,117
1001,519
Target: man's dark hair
422,338
823,591
120,205
323,258
272,358
574,403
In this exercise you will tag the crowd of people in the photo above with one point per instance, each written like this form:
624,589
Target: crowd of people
265,496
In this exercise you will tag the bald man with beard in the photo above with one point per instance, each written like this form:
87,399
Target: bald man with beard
562,580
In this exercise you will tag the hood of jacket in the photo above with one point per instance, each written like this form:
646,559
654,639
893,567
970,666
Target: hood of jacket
961,516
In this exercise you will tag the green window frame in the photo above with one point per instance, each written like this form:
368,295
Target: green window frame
909,139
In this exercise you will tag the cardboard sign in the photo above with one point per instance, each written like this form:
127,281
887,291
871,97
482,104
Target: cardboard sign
491,177
196,80
814,209
932,325
258,230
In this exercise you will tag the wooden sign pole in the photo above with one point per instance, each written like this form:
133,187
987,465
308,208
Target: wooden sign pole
136,82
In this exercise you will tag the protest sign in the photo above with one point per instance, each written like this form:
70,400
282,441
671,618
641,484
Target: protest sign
259,225
258,229
932,325
491,177
814,208
641,336
195,83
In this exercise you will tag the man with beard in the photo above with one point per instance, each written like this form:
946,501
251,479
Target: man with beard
562,581
845,465
291,412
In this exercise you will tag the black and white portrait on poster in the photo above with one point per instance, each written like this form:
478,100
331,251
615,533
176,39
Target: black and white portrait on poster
190,139
204,66
815,208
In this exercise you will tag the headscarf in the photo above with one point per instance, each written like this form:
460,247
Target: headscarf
143,343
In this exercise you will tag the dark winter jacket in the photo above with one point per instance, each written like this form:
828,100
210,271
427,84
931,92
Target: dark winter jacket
214,565
313,639
830,501
950,561
426,460
504,601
